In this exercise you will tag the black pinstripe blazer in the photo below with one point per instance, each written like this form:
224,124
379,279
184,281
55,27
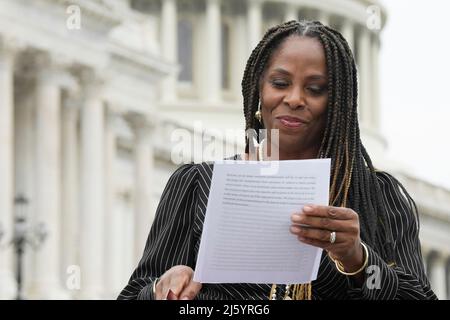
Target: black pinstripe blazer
174,239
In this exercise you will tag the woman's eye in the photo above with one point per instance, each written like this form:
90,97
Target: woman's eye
317,90
279,83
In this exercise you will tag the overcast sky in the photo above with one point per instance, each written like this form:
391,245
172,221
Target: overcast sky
415,86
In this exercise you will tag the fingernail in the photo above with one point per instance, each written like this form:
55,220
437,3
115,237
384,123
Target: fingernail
171,295
185,298
307,209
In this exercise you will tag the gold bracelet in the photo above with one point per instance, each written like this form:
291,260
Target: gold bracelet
154,287
340,266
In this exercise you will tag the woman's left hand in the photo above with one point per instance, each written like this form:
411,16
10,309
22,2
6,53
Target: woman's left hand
315,224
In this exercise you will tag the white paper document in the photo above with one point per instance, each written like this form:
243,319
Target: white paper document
246,237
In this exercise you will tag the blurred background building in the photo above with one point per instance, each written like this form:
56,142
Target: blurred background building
91,92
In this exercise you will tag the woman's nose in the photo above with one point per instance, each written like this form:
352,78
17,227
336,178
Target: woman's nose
295,98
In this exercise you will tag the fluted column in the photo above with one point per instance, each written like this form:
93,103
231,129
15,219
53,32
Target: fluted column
291,12
213,89
50,80
375,75
169,46
92,188
239,54
70,187
254,23
365,82
438,277
348,31
7,282
143,177
113,224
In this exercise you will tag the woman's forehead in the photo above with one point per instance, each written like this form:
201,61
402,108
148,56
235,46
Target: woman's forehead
298,51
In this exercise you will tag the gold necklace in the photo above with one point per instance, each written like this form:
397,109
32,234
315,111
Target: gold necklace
273,292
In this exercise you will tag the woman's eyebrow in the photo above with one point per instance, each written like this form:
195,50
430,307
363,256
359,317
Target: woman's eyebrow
316,77
311,77
281,70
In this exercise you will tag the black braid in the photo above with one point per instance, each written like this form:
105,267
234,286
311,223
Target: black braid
353,179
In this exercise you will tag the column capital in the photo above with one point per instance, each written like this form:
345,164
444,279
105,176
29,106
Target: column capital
140,121
91,81
54,69
10,45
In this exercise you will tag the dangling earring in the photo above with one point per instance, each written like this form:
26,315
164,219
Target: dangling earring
258,115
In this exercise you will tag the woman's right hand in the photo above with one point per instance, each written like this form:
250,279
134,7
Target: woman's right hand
177,284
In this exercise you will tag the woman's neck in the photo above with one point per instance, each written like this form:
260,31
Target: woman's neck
295,154
309,153
298,155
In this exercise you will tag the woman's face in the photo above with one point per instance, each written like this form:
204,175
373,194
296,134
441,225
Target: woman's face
294,96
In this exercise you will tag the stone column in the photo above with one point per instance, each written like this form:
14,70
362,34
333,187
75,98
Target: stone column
70,187
113,224
213,72
348,31
254,23
7,281
143,178
239,54
291,12
365,83
169,47
438,277
92,188
24,155
375,92
51,78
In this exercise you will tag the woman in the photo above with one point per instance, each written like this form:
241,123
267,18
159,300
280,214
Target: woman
300,79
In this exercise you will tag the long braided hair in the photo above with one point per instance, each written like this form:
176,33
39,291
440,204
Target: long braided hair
353,180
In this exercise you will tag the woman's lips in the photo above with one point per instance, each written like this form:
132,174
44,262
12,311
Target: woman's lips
291,122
